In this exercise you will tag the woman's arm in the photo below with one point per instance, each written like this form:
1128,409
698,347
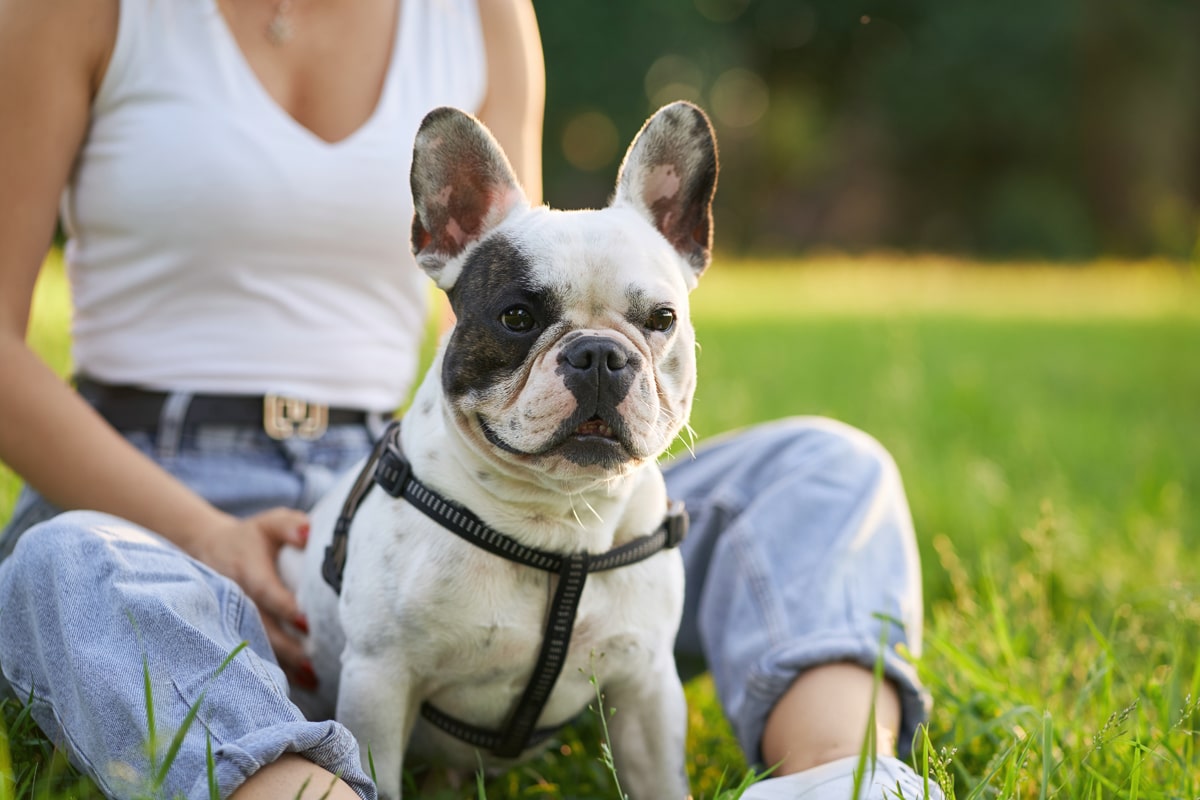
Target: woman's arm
52,57
516,87
515,101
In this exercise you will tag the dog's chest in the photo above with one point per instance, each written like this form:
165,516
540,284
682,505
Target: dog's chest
472,623
488,621
483,665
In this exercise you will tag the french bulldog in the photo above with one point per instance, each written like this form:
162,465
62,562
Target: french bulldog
569,370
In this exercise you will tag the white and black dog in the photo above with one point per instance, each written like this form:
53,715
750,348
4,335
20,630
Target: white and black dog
569,371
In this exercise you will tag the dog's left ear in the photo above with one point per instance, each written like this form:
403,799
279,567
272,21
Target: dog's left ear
462,186
670,176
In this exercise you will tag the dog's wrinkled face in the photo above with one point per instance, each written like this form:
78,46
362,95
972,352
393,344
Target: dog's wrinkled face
573,351
572,340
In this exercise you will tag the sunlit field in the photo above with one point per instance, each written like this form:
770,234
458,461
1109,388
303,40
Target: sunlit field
1047,424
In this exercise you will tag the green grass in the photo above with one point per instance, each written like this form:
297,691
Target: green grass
1047,424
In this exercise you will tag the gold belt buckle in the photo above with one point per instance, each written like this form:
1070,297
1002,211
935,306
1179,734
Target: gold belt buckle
285,417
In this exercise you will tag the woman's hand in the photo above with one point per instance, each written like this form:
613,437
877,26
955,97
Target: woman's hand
246,551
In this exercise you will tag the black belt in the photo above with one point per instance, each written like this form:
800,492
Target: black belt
129,408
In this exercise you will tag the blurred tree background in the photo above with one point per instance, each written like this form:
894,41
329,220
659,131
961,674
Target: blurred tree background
1061,129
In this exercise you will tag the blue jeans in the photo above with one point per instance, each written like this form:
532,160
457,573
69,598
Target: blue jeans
800,551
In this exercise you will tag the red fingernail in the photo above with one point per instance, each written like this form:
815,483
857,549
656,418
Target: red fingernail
301,623
302,532
306,678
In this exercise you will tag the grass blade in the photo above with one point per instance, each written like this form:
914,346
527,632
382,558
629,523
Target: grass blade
7,777
211,766
177,740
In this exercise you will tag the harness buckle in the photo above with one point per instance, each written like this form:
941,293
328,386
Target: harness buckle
335,555
331,569
285,417
392,472
677,524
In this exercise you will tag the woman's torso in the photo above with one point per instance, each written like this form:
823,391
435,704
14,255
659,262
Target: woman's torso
218,245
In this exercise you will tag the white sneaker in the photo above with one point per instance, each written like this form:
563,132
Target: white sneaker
890,780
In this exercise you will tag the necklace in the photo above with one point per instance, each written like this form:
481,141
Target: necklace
279,29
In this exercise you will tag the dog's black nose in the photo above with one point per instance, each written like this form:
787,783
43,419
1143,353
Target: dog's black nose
595,353
598,371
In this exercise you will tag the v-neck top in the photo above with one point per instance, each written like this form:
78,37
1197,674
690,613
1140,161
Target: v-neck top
217,245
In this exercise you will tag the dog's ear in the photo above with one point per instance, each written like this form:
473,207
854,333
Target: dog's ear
462,186
670,176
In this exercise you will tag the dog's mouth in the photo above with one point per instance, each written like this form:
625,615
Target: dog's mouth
594,441
595,427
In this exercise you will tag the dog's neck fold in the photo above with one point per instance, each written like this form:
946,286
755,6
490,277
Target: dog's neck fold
575,515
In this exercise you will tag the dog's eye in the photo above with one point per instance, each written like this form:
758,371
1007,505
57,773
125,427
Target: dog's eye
517,319
661,320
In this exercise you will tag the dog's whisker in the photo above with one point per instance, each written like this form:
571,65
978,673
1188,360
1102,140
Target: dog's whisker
575,512
595,513
690,442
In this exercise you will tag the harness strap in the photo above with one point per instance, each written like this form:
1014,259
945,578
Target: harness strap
475,736
388,467
335,554
552,656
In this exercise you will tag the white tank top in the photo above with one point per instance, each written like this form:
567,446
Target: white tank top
216,245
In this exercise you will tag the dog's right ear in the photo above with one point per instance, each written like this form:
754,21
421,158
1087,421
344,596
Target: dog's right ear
462,186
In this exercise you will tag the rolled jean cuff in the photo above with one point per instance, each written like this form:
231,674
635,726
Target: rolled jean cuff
329,745
781,666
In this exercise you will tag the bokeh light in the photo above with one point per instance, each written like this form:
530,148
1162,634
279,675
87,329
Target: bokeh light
739,98
589,141
721,10
673,77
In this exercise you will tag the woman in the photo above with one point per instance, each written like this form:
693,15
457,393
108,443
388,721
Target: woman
237,209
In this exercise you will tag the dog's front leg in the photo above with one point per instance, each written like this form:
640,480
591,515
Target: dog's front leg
376,702
648,732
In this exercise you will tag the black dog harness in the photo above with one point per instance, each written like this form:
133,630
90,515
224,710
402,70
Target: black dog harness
388,467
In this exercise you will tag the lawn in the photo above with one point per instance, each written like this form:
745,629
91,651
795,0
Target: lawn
1047,424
